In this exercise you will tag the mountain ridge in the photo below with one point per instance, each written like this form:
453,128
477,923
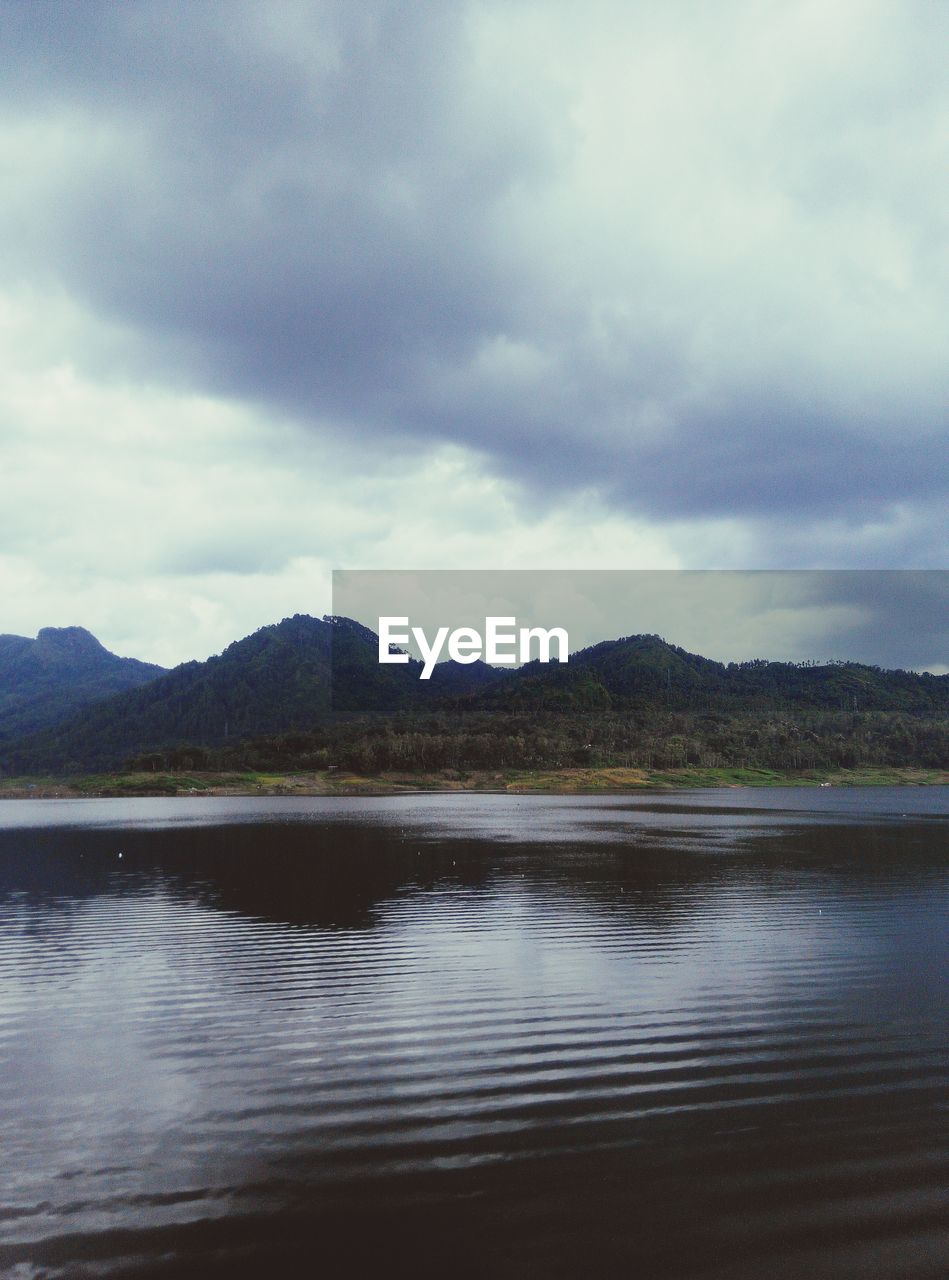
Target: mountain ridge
278,679
318,683
45,680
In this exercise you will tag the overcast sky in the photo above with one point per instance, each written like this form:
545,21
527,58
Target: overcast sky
291,286
884,617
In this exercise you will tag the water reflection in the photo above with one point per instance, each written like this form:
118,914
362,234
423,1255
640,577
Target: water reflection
366,1039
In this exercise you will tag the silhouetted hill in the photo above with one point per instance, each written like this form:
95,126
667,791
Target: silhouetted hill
274,681
43,681
364,686
265,703
639,671
640,702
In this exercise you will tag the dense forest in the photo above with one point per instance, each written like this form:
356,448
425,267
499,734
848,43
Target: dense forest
61,671
293,675
673,740
310,694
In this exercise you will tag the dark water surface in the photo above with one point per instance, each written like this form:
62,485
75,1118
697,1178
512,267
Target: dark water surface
689,1035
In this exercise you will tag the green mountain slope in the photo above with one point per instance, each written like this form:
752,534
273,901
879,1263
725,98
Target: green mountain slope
646,671
277,680
638,701
43,681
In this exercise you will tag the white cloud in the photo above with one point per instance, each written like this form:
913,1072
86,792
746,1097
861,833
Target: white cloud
170,524
507,284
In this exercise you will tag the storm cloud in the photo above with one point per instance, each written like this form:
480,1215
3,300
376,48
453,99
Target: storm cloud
685,262
887,618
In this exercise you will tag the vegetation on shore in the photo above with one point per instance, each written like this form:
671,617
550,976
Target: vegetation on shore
544,781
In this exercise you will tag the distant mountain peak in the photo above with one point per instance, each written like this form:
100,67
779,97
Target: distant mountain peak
62,671
351,625
319,682
76,640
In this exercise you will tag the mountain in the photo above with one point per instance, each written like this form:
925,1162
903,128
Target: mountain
643,703
308,692
364,686
640,702
278,680
641,671
43,681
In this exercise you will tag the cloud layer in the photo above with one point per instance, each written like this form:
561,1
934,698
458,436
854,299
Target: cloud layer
887,618
674,272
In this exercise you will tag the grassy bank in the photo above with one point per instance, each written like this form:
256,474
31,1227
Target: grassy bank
560,781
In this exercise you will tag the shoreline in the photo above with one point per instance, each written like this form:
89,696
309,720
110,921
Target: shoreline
579,781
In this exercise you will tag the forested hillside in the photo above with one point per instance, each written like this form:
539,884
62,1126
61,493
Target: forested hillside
278,680
43,681
637,703
309,693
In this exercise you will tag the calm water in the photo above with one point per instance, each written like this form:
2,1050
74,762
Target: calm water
693,1035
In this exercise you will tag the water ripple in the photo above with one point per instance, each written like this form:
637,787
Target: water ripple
712,1046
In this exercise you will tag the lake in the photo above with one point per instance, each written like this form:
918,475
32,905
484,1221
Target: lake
663,1035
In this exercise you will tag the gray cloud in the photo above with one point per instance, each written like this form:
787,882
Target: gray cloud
888,618
686,255
904,615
